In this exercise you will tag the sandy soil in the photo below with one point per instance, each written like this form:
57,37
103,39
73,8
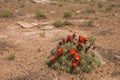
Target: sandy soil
32,45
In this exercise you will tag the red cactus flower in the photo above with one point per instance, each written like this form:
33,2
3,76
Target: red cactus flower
73,51
85,39
79,43
60,51
54,57
74,63
77,57
74,35
63,40
81,39
69,38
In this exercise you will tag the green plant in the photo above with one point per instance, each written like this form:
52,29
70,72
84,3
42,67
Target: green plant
112,5
60,23
89,23
90,11
3,44
100,5
109,9
74,55
42,34
5,14
33,1
67,15
40,15
11,57
67,23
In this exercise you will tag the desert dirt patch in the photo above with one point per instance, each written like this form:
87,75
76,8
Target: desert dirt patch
31,39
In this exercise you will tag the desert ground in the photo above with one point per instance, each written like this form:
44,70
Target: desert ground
28,33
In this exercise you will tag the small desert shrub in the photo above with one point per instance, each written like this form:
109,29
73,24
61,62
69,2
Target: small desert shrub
74,55
5,14
60,23
100,5
3,45
112,5
40,15
109,9
67,23
32,1
42,34
11,57
67,15
90,11
89,23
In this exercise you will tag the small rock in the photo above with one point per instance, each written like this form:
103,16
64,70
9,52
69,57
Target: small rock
77,12
26,25
46,23
41,1
34,24
48,27
39,50
52,12
56,79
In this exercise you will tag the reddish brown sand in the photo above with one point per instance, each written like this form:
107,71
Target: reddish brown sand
31,46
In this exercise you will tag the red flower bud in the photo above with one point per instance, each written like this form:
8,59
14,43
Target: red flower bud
94,47
69,38
85,39
79,43
60,51
63,40
74,63
77,57
73,51
74,35
54,57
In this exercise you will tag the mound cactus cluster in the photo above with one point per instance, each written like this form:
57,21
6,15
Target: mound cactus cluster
74,54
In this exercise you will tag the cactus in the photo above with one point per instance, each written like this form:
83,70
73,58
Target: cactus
74,55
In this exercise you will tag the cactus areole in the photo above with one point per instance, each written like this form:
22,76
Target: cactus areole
74,55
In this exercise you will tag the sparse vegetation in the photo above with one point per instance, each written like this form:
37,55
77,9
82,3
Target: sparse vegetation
34,27
40,15
11,57
90,11
67,14
67,23
112,5
100,6
32,1
89,23
42,34
3,44
109,9
5,14
60,23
